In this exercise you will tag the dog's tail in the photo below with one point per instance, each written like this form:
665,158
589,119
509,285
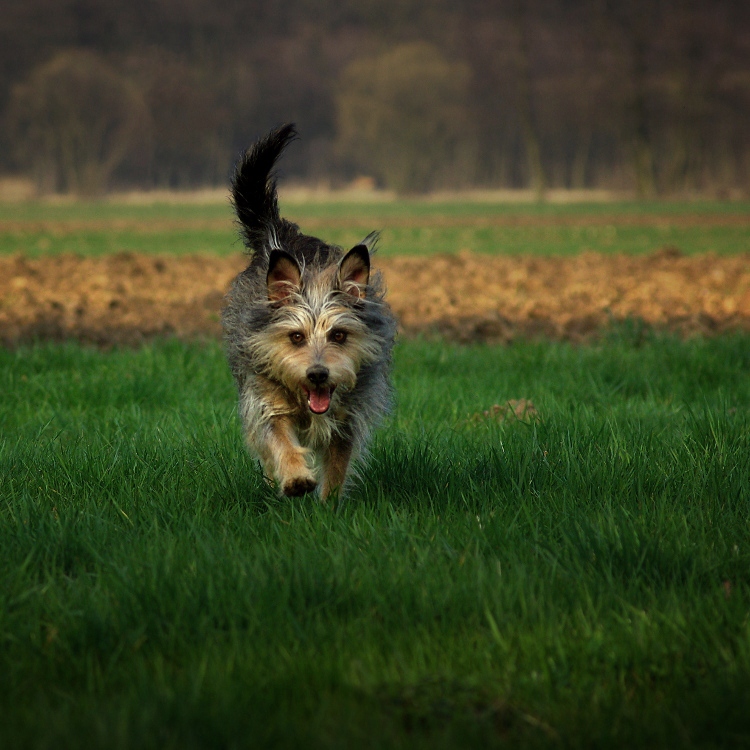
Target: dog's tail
254,189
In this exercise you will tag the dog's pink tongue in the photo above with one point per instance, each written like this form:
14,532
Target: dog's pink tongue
319,401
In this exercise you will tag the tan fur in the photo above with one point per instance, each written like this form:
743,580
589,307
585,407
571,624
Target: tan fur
298,449
309,338
335,465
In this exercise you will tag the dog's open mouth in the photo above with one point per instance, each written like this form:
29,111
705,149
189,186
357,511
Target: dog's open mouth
319,399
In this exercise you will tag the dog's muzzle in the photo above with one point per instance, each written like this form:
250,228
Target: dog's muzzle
319,395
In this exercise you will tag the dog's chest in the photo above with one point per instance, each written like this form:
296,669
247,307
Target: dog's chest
318,433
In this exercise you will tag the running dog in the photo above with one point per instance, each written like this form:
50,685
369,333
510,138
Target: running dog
308,336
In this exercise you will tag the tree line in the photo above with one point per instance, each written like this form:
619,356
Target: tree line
645,95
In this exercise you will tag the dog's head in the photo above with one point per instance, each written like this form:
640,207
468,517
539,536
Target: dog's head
318,339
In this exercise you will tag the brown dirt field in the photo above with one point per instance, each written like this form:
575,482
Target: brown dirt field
61,227
127,298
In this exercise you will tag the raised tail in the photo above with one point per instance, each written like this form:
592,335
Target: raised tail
254,188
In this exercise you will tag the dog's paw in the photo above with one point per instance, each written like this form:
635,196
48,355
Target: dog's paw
298,486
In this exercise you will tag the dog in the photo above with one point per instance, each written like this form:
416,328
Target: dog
308,336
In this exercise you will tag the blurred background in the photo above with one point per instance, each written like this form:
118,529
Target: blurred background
650,97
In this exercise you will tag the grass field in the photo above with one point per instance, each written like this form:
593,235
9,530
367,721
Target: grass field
581,581
409,226
578,581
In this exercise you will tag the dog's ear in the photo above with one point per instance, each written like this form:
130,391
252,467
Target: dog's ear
354,271
284,277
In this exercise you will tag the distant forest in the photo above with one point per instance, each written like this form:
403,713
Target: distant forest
416,95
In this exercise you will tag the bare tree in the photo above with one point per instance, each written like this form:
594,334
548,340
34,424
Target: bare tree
403,117
649,95
189,141
74,120
523,98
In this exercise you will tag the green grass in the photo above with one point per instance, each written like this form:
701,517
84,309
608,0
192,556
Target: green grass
92,210
583,581
409,226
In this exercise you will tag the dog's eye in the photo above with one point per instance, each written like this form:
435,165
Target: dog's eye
297,338
338,337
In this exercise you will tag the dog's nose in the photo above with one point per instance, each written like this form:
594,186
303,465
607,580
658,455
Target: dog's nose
317,374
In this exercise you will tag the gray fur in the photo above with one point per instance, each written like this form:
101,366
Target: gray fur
248,316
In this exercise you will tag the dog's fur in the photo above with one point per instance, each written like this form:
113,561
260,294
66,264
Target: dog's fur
308,336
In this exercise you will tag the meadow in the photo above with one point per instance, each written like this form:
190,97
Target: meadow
409,226
581,579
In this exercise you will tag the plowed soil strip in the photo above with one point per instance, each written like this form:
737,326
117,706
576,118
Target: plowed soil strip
153,226
127,298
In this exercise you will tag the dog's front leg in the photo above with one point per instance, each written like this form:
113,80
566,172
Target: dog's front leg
285,459
335,465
